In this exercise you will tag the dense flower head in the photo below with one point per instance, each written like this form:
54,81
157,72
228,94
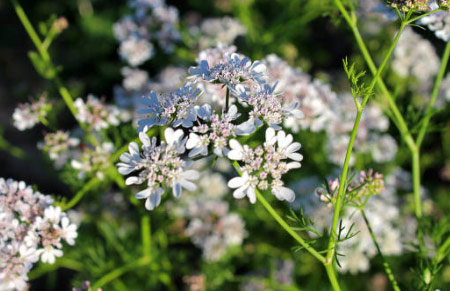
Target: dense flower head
364,185
233,71
96,114
213,129
263,167
158,165
444,4
93,161
58,145
152,23
294,86
214,31
266,105
175,108
27,115
31,229
439,22
415,56
406,5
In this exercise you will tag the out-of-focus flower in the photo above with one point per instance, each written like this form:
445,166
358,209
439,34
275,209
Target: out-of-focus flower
30,229
415,56
27,115
439,22
214,31
59,146
136,51
93,161
96,114
158,166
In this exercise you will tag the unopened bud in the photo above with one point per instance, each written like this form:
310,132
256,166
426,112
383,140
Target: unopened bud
406,5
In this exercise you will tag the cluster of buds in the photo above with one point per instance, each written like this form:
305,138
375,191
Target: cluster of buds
93,161
27,115
368,184
444,4
31,229
407,5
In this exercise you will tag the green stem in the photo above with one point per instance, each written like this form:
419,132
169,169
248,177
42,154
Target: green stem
397,116
80,194
420,16
116,273
30,30
387,268
60,263
330,271
434,95
46,57
146,235
343,179
416,183
443,251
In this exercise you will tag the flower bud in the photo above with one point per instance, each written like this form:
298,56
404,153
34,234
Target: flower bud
444,4
406,5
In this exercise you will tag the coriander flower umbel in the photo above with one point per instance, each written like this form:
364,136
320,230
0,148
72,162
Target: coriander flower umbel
27,115
159,166
176,108
264,166
213,129
30,229
96,114
59,146
234,70
266,105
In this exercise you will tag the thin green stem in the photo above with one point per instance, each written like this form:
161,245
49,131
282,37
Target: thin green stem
434,95
116,273
330,271
79,195
416,183
387,268
146,234
30,30
443,251
46,57
60,263
343,179
420,16
398,117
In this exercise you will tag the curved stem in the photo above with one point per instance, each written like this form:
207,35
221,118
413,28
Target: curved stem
116,273
434,95
386,266
72,202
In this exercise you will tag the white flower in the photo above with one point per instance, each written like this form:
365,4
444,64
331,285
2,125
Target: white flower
245,187
68,231
136,51
288,148
198,144
49,253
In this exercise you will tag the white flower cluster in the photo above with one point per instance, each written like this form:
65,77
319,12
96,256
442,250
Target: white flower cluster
415,56
264,166
59,146
211,225
215,31
214,132
439,22
27,115
325,110
31,229
96,114
371,137
313,96
158,166
93,161
151,23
